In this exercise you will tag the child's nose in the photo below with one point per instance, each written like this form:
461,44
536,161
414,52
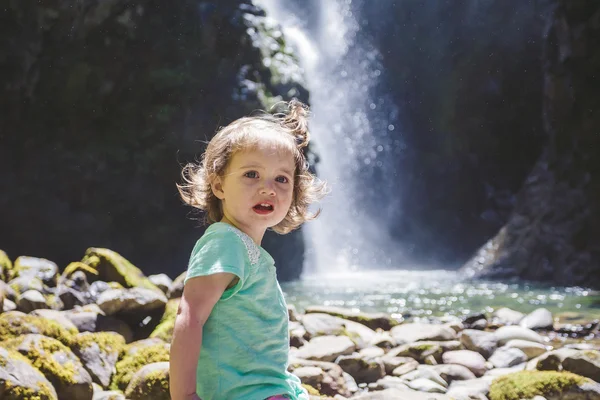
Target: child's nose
268,188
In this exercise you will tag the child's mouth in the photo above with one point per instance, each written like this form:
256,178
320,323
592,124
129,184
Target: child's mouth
263,208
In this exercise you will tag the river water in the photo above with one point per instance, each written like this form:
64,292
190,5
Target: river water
438,293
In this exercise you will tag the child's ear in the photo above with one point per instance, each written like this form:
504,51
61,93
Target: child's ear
216,186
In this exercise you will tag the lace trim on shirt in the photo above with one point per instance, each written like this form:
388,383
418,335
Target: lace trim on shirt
251,247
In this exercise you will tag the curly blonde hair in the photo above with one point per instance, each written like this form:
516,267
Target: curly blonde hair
288,131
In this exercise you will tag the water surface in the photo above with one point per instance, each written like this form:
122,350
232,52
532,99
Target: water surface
438,293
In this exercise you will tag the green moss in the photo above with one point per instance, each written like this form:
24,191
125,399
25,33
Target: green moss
77,266
130,364
423,347
112,267
41,354
5,266
12,391
528,384
164,329
311,390
106,341
152,385
15,324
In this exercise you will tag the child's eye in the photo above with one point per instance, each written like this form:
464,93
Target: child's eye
251,174
282,179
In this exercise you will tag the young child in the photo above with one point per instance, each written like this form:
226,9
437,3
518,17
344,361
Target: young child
231,340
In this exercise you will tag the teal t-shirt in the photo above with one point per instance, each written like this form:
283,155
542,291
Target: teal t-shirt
245,341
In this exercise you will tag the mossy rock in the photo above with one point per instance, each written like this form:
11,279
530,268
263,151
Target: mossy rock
164,330
14,324
20,380
99,353
41,268
528,384
112,267
57,362
150,382
311,390
5,266
132,363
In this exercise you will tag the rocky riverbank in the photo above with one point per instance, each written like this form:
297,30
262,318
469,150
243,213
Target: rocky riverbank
100,329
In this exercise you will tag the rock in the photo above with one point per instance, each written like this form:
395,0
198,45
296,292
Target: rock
31,300
372,352
505,357
56,316
420,351
326,348
552,361
5,267
401,394
406,367
335,382
112,267
467,358
413,332
425,385
383,340
505,334
150,382
99,353
19,380
90,321
136,356
297,334
549,384
109,395
323,325
362,369
312,376
585,363
39,268
372,320
137,301
8,305
9,292
506,316
452,372
58,363
71,297
360,334
14,324
292,313
176,289
24,283
496,372
164,329
161,281
389,382
531,349
392,362
485,343
538,319
426,373
470,389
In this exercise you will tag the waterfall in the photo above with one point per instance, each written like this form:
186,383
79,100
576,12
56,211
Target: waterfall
351,128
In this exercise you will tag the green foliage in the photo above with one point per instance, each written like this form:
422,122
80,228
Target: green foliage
528,384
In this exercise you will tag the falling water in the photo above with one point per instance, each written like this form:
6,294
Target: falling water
351,128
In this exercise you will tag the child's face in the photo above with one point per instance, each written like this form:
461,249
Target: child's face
257,189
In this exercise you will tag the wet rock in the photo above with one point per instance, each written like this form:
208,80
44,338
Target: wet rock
137,301
413,332
326,348
40,268
506,316
470,389
372,320
335,382
420,351
56,316
451,372
531,349
362,369
485,343
585,363
467,358
539,319
505,334
323,325
552,360
505,357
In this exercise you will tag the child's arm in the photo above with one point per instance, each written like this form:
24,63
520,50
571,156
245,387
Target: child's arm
200,294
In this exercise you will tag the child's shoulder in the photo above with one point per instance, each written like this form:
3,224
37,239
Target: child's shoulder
228,237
